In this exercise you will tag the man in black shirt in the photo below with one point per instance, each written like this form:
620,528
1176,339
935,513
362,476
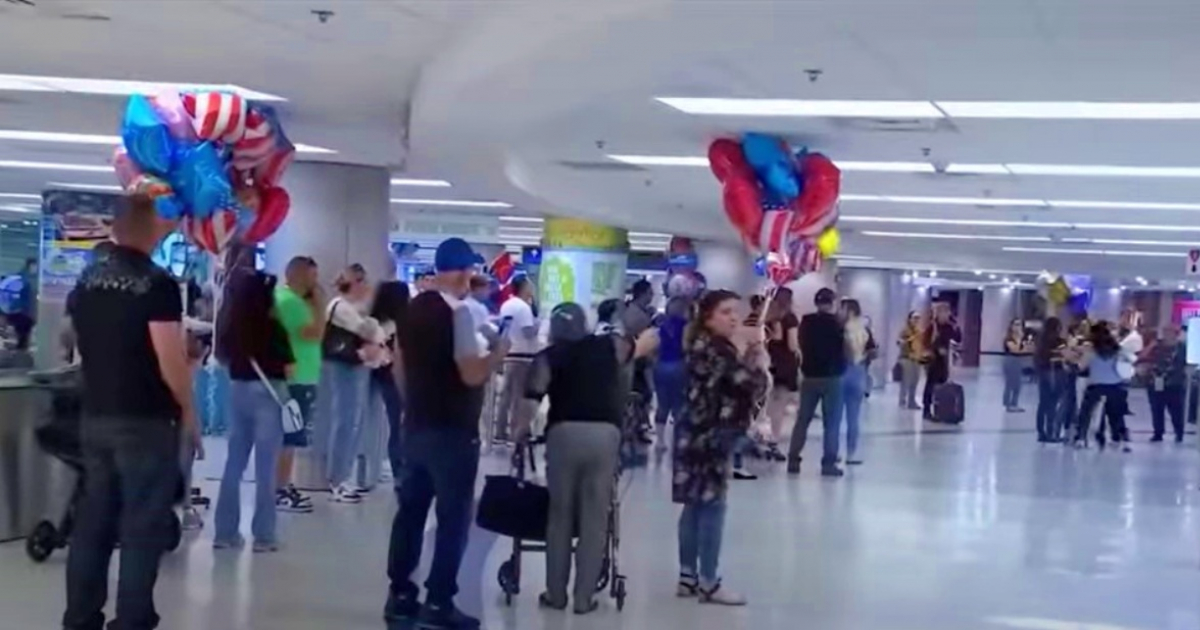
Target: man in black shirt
943,334
446,365
137,397
822,362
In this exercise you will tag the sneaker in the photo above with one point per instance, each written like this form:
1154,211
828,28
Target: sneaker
344,494
721,596
446,617
232,543
832,471
192,521
1179,439
688,586
1157,438
401,607
261,546
742,475
289,499
793,466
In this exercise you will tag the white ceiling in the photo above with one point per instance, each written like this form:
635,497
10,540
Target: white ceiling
503,93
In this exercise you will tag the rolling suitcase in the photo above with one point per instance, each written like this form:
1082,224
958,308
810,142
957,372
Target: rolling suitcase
948,403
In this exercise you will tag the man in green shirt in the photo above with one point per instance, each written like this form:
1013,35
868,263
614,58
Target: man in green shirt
299,307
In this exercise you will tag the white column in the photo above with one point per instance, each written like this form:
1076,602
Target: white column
727,266
999,307
339,216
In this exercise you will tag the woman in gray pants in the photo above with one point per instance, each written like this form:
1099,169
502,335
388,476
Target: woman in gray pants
585,377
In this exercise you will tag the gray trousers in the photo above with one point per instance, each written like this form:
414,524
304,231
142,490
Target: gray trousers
581,459
513,403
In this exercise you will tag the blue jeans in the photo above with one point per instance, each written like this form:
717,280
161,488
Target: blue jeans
438,463
854,389
826,392
1049,396
254,425
701,528
1012,380
342,401
670,382
385,390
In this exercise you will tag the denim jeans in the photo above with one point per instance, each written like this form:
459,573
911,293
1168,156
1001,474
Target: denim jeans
1049,396
1068,402
701,528
854,389
131,479
439,463
254,426
670,383
385,391
341,403
828,393
372,442
1012,380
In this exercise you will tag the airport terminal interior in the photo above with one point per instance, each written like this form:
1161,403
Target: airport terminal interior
990,205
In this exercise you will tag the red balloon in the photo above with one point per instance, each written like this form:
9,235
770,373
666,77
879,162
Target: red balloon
726,159
273,207
743,206
816,207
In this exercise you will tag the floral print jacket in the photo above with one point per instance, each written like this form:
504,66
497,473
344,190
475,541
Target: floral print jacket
721,391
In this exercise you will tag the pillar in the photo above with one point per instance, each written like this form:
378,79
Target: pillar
340,215
999,307
873,290
582,262
727,266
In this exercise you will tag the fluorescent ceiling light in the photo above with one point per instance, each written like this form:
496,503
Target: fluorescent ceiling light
453,202
428,183
1094,252
54,166
962,237
92,138
790,107
21,208
948,201
1029,224
519,219
650,235
19,196
1128,241
308,148
661,160
845,165
72,186
852,257
1077,110
977,169
1083,170
886,167
1123,205
112,87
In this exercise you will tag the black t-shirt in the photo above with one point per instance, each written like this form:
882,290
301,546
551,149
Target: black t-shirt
583,380
439,330
111,309
822,346
782,357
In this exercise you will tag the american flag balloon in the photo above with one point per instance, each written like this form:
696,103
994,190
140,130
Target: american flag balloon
217,115
212,234
776,229
256,145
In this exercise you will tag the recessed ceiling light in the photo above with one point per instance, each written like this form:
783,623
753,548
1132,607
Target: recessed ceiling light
791,107
1093,252
54,166
991,276
978,272
20,196
961,237
1076,110
428,183
453,202
35,83
73,186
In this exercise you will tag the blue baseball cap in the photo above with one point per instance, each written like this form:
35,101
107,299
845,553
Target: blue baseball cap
454,254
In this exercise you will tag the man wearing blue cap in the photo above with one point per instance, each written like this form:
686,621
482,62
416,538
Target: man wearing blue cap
446,368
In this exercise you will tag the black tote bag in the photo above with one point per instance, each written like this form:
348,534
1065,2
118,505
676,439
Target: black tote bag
339,344
514,507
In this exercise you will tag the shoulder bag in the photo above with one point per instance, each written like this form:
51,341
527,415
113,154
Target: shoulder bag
339,344
290,417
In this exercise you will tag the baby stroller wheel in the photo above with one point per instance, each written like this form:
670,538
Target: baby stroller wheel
602,581
510,583
619,592
174,533
42,541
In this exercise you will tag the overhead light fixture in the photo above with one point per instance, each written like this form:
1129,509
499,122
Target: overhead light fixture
852,257
308,148
884,167
427,183
1091,170
991,276
519,219
453,202
1141,280
791,107
115,87
1094,252
701,161
1128,241
651,235
103,139
976,169
978,272
74,186
661,160
20,196
1139,227
948,201
55,166
933,273
961,237
1123,205
1070,110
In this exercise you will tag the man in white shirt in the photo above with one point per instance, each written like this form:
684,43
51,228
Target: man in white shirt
522,332
476,301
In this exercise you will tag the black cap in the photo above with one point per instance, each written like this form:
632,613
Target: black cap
824,297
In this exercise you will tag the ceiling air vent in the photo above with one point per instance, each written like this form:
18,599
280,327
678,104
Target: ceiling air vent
609,166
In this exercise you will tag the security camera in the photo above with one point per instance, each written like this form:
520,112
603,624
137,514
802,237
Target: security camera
323,15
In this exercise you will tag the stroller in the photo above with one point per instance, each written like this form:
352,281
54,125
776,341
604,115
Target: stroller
60,439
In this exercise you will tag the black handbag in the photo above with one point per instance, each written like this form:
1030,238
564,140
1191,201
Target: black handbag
514,507
339,344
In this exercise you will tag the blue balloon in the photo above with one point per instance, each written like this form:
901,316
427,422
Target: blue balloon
201,181
760,266
772,163
147,138
245,218
169,207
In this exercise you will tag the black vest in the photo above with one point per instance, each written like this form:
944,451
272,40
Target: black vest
437,395
585,382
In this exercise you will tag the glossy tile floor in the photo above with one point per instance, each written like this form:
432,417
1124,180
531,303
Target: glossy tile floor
940,530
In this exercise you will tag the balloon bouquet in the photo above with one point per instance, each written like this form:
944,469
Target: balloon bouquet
683,280
783,203
210,160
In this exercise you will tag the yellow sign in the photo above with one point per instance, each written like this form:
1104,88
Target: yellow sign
564,233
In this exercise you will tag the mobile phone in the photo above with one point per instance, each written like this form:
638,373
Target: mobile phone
505,323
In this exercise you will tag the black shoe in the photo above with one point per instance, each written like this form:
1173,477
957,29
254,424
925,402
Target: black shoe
399,608
853,461
544,601
832,471
742,475
793,466
1100,441
926,416
1179,439
1157,438
445,617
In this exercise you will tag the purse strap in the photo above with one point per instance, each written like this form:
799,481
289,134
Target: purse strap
266,383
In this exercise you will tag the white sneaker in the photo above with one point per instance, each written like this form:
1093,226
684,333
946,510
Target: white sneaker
344,494
688,587
721,597
192,520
